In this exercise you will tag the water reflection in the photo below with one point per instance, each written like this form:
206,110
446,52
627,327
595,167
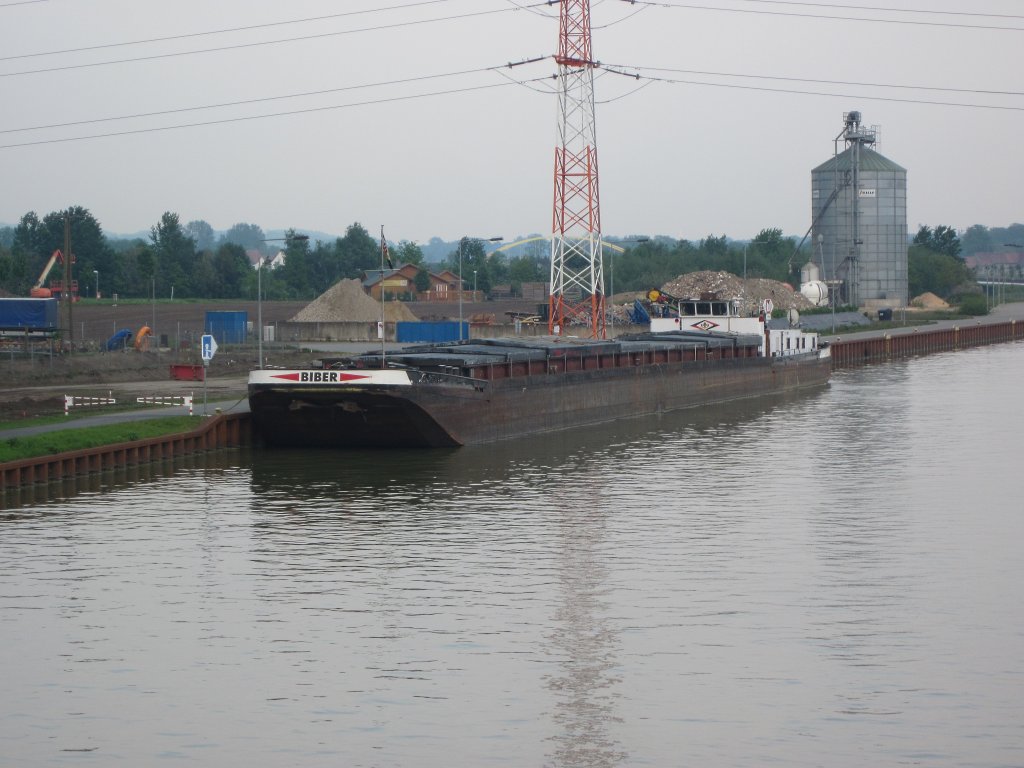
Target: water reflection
583,645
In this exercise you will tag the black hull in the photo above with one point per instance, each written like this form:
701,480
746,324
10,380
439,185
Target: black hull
474,412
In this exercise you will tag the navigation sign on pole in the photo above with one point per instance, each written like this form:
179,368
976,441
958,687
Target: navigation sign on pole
209,345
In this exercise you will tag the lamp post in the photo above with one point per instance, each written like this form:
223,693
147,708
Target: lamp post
259,288
611,267
474,285
1018,246
96,272
462,240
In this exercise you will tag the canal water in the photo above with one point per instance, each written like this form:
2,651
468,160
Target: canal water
830,579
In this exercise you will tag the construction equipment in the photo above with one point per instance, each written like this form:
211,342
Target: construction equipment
38,291
660,297
57,288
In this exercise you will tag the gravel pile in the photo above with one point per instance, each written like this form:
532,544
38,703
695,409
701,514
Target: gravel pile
751,292
928,301
347,302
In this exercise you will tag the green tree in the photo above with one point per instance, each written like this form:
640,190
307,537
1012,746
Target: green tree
295,272
408,252
233,271
175,256
977,239
358,252
526,269
942,239
938,273
36,239
202,235
422,281
249,236
325,268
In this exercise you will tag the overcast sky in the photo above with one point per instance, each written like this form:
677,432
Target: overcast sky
435,153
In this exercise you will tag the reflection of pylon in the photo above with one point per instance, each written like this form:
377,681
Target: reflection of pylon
577,276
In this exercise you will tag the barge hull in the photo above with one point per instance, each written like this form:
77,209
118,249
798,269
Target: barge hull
477,411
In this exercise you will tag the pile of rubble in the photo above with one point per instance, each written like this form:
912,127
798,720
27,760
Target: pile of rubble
347,302
751,292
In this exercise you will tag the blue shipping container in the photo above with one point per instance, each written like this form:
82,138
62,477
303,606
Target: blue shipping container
227,327
34,314
434,331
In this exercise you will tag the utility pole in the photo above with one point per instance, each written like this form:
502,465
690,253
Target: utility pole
66,295
577,271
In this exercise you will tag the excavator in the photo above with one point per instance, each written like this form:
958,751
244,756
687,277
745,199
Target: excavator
38,291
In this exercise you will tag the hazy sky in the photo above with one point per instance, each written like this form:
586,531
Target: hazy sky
705,142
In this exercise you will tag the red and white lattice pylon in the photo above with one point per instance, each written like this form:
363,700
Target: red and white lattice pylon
577,271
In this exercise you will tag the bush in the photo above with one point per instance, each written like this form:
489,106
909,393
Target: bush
974,304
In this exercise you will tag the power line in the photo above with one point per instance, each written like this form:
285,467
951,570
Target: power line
227,120
887,10
243,102
794,14
322,35
794,91
22,2
226,30
818,81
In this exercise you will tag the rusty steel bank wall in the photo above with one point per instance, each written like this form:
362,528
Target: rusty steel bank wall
235,430
231,430
848,353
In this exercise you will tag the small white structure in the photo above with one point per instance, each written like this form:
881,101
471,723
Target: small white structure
812,287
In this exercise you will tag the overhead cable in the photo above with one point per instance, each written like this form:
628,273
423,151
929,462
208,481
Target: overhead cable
794,14
322,35
228,120
735,86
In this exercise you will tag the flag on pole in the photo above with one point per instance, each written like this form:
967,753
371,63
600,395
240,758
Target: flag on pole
384,253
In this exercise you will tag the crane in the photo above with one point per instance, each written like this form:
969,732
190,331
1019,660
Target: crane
38,291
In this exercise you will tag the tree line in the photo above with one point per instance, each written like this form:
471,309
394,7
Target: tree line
191,261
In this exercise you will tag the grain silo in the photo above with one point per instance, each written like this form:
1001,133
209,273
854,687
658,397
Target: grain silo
859,215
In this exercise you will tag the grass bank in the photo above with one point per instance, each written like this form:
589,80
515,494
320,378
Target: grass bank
75,439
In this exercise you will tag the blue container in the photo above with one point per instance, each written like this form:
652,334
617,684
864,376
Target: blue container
227,327
434,331
33,314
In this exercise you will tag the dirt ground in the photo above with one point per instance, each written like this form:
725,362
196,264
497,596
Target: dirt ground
35,384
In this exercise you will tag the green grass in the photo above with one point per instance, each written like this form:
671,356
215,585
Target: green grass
75,439
73,415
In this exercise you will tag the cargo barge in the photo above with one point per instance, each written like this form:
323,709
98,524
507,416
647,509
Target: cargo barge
481,391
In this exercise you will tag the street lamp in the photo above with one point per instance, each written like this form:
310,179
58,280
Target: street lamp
259,288
474,285
463,239
96,272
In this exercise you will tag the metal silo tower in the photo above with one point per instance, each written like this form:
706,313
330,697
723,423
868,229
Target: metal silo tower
859,214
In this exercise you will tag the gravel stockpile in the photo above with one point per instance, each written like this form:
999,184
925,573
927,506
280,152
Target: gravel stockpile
347,302
751,292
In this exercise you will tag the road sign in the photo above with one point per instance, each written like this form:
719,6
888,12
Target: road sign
209,345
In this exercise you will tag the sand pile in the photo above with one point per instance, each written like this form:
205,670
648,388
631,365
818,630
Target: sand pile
347,302
928,301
